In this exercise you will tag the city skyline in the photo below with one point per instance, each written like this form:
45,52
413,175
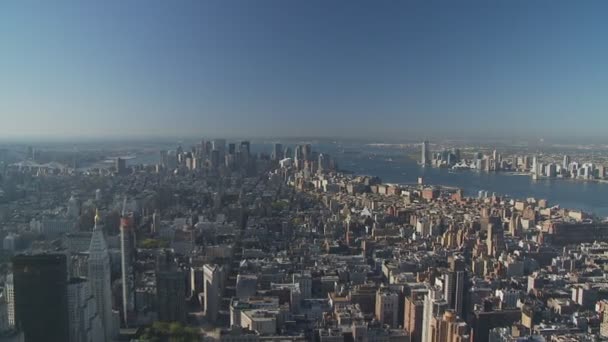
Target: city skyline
204,240
340,69
296,171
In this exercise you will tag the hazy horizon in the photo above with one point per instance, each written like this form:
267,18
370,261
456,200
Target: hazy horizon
344,69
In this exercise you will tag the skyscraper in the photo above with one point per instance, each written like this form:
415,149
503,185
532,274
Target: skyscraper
297,156
126,258
220,146
84,321
424,159
100,277
121,166
245,147
307,152
495,239
323,162
454,285
566,162
515,224
3,314
163,160
434,306
277,152
212,280
9,291
414,309
288,152
215,159
41,303
170,290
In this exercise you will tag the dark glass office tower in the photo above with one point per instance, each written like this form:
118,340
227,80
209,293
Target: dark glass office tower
41,303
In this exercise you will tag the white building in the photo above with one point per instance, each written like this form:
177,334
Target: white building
99,278
286,163
434,306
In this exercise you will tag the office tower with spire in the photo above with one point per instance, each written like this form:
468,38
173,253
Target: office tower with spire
126,258
100,277
424,158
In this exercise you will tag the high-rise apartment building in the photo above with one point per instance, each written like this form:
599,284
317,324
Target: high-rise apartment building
413,312
448,328
454,285
434,305
495,239
387,307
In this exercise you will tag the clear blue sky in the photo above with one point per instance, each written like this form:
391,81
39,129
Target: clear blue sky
303,68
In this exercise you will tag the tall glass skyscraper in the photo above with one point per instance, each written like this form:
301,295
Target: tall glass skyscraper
41,290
